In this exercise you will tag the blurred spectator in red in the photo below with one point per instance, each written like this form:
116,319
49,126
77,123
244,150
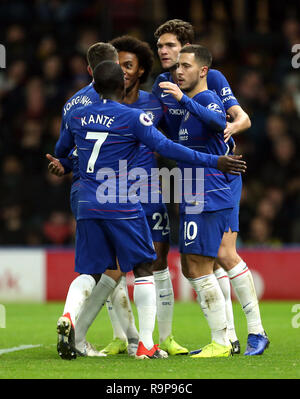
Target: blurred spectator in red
57,229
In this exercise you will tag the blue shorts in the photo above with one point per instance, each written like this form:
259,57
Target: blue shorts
236,190
202,234
99,242
159,224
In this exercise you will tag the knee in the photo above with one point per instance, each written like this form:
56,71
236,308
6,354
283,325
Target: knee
142,270
161,261
189,267
227,257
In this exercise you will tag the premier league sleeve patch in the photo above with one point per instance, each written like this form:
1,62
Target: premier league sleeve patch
145,120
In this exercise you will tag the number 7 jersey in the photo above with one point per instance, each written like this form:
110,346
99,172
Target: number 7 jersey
107,136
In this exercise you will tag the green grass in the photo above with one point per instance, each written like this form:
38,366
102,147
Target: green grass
36,324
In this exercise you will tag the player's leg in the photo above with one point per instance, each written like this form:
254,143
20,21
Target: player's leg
211,300
82,286
228,244
136,248
243,285
165,301
90,310
158,222
80,289
125,334
241,278
200,238
88,261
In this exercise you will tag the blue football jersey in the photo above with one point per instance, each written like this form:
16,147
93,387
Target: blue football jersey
174,111
107,136
146,157
217,82
86,96
206,189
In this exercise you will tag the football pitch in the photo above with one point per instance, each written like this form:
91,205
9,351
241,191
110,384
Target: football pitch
28,347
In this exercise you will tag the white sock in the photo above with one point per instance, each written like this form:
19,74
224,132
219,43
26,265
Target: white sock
116,326
212,303
145,301
123,311
164,303
224,283
79,291
242,283
92,307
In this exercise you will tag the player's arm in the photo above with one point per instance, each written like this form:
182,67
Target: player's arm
61,166
156,141
214,118
67,164
65,143
239,121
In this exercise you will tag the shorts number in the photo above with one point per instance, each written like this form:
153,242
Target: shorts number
190,230
100,137
160,218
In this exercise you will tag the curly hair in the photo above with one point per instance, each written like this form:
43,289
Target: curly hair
184,31
141,49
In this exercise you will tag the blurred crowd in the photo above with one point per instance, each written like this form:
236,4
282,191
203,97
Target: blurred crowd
46,43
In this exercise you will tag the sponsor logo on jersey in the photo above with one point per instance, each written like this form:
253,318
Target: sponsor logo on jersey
183,134
214,107
225,91
176,111
224,100
187,115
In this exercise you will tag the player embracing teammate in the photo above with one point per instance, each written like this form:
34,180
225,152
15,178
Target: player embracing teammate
202,106
171,37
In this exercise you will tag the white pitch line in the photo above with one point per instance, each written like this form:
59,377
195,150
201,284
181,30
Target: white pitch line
18,348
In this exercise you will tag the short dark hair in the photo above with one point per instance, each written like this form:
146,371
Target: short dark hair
184,31
108,78
202,54
141,49
101,52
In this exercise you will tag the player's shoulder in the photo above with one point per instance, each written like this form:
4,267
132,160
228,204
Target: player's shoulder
210,99
147,98
207,96
163,77
84,90
214,73
217,82
82,110
123,111
82,97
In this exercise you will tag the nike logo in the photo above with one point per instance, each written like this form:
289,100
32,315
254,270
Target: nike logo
246,305
188,243
163,296
165,233
164,94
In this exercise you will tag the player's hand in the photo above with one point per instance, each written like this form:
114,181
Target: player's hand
232,164
229,131
55,167
171,88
